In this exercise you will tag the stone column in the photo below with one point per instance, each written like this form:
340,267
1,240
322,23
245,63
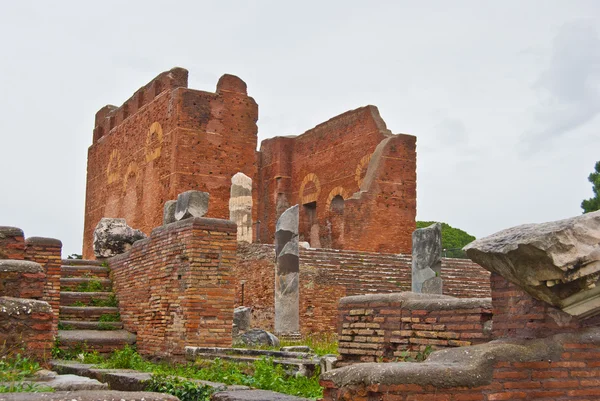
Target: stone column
240,206
287,300
427,259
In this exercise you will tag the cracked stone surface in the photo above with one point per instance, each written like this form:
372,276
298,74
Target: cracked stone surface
556,262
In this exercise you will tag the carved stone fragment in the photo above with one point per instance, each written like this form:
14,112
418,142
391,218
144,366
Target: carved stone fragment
191,204
426,259
556,262
240,206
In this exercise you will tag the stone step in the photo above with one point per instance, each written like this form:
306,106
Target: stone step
298,366
68,298
103,341
85,313
78,283
84,271
85,325
81,262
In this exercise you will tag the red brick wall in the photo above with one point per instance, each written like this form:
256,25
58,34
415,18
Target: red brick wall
570,375
328,275
26,327
382,328
20,281
47,252
518,315
176,288
543,354
332,159
165,140
12,243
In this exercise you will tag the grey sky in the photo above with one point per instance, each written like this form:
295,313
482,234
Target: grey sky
502,96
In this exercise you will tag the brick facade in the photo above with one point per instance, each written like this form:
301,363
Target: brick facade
47,252
176,288
541,353
26,327
354,180
328,275
389,327
12,243
355,183
22,279
165,140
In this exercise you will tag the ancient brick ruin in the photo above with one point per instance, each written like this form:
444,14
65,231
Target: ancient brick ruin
350,175
537,350
29,291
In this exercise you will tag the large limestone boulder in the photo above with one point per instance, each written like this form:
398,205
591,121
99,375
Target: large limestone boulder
113,237
556,262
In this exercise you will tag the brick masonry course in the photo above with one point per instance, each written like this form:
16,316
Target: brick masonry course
328,275
176,288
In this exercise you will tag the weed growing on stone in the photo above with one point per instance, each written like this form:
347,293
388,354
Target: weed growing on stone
111,301
110,317
90,286
16,368
20,387
185,390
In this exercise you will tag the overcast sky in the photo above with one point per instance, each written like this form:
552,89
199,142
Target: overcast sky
503,96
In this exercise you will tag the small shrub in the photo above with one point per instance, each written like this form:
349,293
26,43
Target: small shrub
185,390
126,358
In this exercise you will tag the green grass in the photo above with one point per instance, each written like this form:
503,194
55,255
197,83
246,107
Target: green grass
321,344
16,368
263,373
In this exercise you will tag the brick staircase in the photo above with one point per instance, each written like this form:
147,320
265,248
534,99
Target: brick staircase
88,317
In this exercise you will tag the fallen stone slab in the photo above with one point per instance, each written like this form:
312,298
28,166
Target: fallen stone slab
556,262
67,382
253,395
91,395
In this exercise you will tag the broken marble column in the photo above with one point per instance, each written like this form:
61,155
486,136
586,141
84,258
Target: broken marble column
556,262
427,259
240,206
169,212
287,320
113,237
191,204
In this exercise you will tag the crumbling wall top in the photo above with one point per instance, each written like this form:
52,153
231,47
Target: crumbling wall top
109,116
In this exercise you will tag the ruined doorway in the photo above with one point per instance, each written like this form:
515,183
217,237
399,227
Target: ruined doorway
310,225
336,222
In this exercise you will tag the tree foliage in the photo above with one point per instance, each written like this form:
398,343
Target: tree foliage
453,239
593,204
